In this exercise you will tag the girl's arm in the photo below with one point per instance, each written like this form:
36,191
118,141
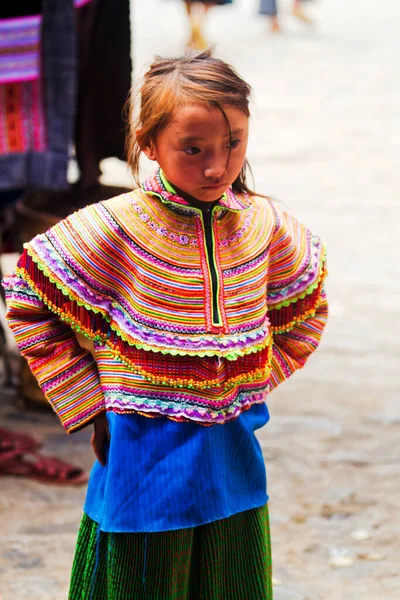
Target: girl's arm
66,372
291,349
296,299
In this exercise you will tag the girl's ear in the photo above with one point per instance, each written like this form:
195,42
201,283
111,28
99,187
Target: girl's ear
147,149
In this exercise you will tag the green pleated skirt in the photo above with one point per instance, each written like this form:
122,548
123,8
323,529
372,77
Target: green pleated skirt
229,559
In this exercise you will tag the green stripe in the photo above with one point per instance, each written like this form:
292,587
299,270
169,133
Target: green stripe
229,559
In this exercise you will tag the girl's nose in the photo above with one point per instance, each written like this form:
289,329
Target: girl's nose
215,166
215,170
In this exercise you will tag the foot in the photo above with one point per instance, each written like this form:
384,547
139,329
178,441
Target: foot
299,13
275,25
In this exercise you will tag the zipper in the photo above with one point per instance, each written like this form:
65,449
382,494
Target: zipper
207,219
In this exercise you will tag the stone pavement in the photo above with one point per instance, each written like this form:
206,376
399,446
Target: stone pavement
325,139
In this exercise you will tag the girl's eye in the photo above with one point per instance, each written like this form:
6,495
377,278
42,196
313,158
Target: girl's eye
192,150
234,144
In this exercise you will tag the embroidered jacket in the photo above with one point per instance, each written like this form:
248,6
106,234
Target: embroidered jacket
191,318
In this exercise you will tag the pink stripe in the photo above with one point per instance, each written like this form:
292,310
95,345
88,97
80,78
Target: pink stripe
25,38
20,31
33,20
22,63
79,3
20,56
19,79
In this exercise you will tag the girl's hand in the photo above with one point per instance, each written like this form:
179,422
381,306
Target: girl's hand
100,437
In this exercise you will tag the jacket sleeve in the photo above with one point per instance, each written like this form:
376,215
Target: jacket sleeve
296,298
66,372
291,349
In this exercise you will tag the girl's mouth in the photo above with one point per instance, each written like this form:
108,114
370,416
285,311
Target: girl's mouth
213,187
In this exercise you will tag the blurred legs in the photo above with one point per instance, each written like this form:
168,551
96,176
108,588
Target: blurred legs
196,12
298,12
270,9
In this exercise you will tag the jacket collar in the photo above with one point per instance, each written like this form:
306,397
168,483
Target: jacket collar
159,186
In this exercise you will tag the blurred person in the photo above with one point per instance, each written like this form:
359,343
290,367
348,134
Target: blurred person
269,7
201,298
197,11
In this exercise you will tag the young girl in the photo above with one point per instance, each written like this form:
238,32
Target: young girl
200,298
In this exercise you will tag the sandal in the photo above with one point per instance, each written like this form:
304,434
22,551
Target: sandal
45,469
13,444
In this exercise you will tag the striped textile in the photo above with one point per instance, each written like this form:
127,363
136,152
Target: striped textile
19,49
132,274
22,118
228,559
22,126
23,121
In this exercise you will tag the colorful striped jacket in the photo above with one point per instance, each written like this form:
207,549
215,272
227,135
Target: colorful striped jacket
191,318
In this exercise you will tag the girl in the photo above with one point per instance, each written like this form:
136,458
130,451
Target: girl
200,298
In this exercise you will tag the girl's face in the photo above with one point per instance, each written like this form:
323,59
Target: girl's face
198,157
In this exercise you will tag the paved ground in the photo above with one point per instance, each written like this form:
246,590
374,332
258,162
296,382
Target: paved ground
325,140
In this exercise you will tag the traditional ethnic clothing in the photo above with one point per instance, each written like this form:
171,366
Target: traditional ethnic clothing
183,474
36,130
228,559
57,59
134,275
196,315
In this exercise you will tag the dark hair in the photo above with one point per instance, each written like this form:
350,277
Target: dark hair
195,77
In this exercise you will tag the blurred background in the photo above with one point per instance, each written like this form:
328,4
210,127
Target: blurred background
325,140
